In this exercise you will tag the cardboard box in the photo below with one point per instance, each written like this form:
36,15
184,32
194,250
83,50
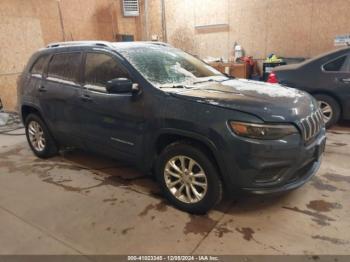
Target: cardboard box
233,69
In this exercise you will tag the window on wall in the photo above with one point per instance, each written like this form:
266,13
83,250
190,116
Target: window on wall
335,65
100,68
65,66
39,65
131,8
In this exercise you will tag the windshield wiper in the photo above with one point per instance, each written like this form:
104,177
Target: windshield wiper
203,81
174,86
212,80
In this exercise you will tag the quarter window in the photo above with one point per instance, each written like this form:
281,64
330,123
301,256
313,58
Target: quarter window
65,66
346,67
100,68
335,65
39,65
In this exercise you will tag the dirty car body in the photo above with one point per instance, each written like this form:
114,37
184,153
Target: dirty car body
258,137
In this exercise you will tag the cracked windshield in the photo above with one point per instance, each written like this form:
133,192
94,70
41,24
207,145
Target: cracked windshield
167,67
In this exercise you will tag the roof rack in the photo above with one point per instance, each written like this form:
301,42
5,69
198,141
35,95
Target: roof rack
73,43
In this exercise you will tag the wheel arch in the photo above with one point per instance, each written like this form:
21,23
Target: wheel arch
168,137
29,109
330,94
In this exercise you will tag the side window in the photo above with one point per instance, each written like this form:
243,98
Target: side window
65,66
100,68
346,68
335,65
38,66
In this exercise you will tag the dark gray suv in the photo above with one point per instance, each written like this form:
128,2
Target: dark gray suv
165,111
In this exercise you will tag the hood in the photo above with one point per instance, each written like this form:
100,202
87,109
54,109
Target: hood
270,102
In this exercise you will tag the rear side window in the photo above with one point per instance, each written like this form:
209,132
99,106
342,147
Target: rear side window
39,65
346,67
65,66
100,68
335,65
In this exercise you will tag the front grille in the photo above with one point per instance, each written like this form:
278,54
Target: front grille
311,125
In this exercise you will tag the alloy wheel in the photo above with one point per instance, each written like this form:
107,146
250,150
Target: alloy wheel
36,136
326,110
185,179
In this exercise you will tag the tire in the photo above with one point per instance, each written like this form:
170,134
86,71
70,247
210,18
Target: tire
330,109
43,150
206,197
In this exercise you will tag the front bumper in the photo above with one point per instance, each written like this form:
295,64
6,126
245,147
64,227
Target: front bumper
265,167
298,181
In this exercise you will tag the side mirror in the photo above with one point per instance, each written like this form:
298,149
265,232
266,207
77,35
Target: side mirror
121,85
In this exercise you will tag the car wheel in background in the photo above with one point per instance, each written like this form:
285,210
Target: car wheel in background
39,138
330,109
188,178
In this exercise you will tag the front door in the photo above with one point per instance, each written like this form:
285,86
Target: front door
336,76
112,123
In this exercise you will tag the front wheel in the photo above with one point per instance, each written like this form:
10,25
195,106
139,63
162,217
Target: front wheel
188,178
330,109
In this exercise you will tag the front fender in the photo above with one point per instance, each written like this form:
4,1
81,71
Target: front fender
151,157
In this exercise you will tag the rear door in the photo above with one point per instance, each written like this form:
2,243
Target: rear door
59,93
336,77
33,80
112,123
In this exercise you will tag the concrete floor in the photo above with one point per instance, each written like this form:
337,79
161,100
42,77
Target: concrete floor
84,204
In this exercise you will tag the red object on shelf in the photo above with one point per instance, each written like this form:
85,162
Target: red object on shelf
272,78
248,60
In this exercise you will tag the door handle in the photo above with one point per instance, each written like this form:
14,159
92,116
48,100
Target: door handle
42,89
345,80
86,98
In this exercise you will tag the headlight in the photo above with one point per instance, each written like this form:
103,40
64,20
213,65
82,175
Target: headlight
261,131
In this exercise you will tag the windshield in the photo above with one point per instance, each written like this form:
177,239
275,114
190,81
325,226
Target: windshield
169,67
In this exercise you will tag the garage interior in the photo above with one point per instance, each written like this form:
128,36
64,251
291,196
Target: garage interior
82,204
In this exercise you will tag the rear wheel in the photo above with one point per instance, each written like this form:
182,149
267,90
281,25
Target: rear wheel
188,178
39,138
330,109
